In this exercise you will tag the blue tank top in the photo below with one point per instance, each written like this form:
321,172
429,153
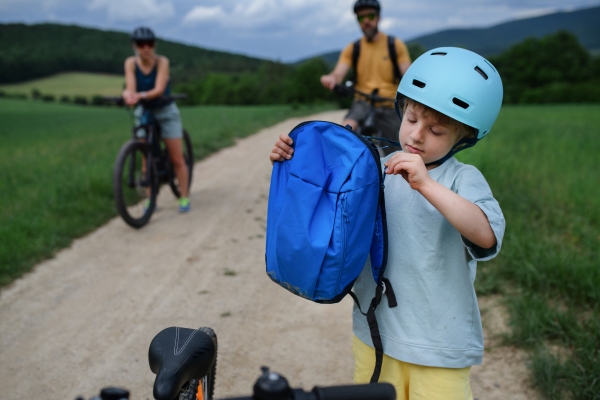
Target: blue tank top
145,83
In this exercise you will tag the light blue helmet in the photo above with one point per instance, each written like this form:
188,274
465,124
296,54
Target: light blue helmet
458,83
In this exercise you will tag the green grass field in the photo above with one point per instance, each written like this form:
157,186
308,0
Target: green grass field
542,163
71,84
56,166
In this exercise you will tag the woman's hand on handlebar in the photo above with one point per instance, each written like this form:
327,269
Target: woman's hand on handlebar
130,97
282,150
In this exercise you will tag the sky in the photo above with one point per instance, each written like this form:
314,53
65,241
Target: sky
284,30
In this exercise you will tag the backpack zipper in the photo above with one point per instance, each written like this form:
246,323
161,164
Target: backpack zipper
343,222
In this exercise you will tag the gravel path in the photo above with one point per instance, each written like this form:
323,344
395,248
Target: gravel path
84,319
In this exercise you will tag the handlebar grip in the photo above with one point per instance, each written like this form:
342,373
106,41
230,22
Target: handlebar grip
371,391
342,90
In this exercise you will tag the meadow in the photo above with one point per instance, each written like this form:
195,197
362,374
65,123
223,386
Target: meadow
56,164
542,163
70,84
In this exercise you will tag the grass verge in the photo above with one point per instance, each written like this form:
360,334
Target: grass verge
56,166
542,164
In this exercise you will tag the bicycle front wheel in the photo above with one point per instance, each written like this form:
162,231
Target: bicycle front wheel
188,156
134,190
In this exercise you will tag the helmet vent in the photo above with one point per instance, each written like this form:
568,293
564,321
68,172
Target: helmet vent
460,103
491,66
481,73
418,83
438,54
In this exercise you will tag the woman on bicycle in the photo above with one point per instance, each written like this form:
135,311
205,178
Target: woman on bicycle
147,78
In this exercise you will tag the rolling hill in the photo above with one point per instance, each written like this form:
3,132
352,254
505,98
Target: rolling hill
584,23
35,51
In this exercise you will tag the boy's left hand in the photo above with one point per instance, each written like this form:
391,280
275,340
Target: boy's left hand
411,167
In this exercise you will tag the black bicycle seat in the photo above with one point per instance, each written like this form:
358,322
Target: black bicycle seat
177,355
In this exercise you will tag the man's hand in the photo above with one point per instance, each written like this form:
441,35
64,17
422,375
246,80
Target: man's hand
411,167
328,81
282,150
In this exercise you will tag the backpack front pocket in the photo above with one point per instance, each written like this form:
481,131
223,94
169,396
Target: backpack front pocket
303,232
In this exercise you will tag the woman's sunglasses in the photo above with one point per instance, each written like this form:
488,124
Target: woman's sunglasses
370,17
144,43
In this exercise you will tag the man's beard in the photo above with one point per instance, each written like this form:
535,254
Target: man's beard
370,34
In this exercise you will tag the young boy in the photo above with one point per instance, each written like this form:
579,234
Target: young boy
442,219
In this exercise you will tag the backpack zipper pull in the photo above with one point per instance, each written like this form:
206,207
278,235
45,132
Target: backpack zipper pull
344,208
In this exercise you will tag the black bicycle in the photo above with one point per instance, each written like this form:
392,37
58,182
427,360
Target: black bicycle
369,126
142,165
185,360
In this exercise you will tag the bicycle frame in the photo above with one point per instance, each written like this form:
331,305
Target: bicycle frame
152,128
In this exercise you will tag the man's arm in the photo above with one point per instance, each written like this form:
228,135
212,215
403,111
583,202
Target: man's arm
404,67
403,56
336,76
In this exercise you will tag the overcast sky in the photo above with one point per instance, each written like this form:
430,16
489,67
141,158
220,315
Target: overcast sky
286,30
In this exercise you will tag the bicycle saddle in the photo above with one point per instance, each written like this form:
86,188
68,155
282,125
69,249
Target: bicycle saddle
177,355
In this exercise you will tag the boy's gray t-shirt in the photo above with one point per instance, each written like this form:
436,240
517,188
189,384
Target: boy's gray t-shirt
432,269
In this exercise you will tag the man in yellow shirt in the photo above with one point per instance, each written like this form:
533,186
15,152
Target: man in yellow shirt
374,69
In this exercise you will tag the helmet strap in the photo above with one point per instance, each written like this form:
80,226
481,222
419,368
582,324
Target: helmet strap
459,146
397,108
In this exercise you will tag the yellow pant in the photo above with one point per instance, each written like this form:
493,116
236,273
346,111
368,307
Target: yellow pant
412,382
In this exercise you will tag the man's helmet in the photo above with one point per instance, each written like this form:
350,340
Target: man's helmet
458,83
366,4
142,33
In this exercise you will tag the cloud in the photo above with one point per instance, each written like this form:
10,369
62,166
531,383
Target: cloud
134,10
269,14
201,14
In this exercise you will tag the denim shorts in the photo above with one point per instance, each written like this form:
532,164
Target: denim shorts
167,117
387,122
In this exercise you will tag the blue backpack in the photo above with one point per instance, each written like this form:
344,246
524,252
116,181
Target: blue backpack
326,215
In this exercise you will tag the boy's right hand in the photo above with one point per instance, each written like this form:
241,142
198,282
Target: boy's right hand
282,150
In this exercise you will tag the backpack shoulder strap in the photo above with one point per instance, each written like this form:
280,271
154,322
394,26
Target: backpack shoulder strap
394,58
355,54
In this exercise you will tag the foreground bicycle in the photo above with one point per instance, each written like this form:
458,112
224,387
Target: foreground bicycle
142,165
184,361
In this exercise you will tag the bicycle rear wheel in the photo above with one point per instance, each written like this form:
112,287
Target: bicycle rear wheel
134,192
188,155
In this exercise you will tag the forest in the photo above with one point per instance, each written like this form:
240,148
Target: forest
552,69
34,51
556,68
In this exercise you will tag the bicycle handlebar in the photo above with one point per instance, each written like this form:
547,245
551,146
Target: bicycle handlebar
274,386
270,386
371,391
119,100
349,91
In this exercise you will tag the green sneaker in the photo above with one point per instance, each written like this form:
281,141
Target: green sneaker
146,205
184,204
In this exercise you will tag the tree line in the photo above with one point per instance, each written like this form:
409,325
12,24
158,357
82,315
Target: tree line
34,51
552,69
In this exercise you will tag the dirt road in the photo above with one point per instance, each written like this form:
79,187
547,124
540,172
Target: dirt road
84,320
